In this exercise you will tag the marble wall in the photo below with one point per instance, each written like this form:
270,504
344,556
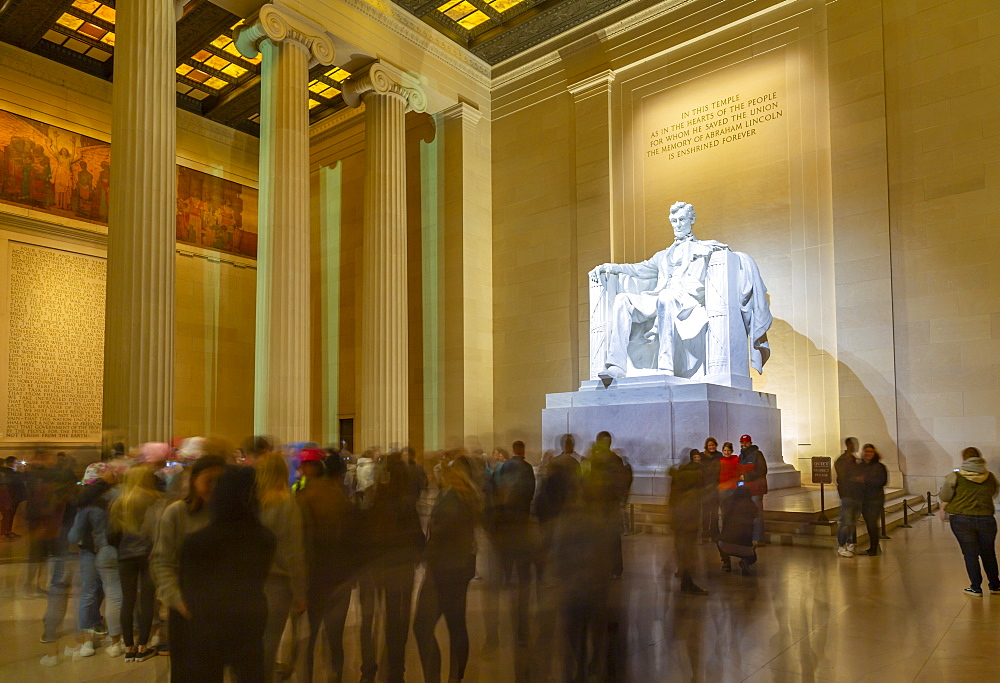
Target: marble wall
214,319
942,80
869,204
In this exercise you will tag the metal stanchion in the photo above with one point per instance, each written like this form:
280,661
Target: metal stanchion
884,536
906,518
631,518
929,513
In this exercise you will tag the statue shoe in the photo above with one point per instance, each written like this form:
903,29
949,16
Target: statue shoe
611,372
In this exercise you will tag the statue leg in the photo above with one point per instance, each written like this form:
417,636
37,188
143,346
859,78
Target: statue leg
681,325
628,309
665,332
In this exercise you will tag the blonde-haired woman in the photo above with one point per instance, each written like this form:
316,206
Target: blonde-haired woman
450,557
134,516
285,588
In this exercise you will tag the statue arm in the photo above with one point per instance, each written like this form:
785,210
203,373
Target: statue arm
645,270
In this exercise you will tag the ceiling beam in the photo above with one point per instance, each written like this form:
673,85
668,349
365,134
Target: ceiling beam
24,22
71,58
419,8
201,24
235,107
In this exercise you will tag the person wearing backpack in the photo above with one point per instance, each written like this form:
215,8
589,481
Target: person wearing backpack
969,493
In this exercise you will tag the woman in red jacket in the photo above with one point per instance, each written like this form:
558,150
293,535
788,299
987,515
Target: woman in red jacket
729,475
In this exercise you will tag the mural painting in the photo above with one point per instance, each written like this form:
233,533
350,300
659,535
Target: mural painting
215,213
52,170
49,169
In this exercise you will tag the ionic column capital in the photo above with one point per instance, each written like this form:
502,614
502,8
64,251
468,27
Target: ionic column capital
280,24
382,79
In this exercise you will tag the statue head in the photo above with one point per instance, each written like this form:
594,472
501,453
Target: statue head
682,218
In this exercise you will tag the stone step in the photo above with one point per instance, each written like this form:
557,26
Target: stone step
825,535
787,528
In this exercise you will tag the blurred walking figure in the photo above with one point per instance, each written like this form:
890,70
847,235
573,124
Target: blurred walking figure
686,493
365,476
514,534
607,480
418,475
285,588
333,555
180,519
753,470
98,560
739,518
43,515
872,477
582,562
134,517
849,490
223,568
559,485
710,468
12,494
63,570
398,543
450,560
969,493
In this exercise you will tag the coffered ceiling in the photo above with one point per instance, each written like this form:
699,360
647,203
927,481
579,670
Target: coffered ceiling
215,81
496,30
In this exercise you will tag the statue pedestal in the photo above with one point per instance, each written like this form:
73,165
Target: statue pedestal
656,421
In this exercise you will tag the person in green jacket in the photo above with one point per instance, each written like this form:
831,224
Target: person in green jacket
969,493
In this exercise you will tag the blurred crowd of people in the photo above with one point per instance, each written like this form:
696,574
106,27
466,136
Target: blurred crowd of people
241,559
227,558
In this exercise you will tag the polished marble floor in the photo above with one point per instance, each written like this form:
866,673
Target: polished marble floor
805,615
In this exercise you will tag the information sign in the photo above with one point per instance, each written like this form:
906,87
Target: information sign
822,467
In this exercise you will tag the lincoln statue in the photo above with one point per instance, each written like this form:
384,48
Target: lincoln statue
677,312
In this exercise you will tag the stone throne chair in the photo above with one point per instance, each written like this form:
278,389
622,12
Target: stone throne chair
725,339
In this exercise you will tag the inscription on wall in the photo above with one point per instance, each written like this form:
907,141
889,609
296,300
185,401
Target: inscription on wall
715,123
56,344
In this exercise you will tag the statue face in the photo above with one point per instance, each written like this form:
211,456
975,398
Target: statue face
682,222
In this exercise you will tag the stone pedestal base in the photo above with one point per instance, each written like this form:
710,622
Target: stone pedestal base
657,421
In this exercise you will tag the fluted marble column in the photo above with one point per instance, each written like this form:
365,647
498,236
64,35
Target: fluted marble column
139,310
383,408
288,43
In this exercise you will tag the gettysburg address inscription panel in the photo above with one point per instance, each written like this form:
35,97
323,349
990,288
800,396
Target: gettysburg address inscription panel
55,345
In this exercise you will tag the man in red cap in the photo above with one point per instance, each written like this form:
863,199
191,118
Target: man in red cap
310,467
754,477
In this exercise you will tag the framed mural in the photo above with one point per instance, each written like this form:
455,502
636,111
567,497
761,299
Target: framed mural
215,213
50,169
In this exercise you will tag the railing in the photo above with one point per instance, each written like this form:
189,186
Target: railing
906,515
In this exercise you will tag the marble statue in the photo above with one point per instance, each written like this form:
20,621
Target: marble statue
685,312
